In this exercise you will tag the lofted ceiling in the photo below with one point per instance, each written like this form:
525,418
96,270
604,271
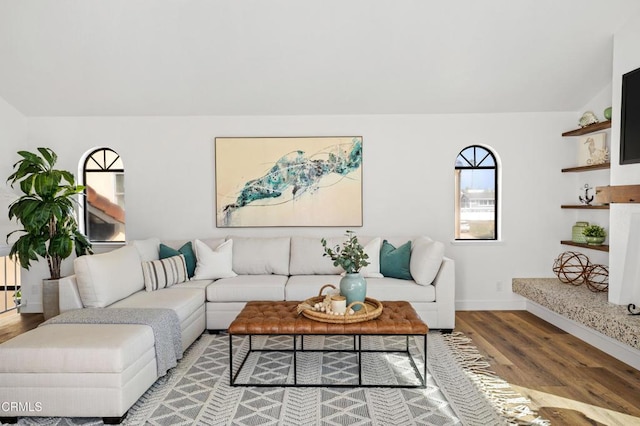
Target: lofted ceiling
266,57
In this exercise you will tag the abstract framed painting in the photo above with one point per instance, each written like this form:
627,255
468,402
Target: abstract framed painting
288,181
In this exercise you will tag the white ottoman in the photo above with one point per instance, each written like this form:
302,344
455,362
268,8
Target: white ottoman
76,370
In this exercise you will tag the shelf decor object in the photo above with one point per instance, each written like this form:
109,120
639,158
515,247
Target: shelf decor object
592,149
576,268
587,199
569,267
596,277
576,232
587,119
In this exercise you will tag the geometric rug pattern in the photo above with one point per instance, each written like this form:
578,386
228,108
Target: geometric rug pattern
197,391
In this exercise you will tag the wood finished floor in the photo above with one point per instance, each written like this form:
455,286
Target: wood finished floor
568,381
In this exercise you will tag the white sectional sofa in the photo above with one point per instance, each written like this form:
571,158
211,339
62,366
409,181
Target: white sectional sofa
228,273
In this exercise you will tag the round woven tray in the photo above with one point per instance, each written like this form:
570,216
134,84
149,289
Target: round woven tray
371,308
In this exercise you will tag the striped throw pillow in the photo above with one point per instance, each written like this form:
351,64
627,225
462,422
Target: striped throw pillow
164,273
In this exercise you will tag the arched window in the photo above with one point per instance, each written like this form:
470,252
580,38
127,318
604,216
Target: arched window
103,175
476,204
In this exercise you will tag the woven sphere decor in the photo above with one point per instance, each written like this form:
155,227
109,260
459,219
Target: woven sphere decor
570,267
597,278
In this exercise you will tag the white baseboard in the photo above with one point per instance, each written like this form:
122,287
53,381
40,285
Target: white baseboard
491,305
615,348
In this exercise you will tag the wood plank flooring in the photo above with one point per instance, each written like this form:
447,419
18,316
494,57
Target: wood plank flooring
13,323
568,381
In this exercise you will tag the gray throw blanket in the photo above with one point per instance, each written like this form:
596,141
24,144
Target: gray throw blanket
163,322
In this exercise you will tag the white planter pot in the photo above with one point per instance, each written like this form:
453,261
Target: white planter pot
50,299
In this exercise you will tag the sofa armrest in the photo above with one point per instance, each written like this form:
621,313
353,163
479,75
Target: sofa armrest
69,294
445,285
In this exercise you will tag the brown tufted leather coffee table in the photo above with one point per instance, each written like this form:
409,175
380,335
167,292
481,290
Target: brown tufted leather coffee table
281,319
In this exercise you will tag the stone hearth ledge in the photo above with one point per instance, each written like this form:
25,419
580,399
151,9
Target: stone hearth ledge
583,306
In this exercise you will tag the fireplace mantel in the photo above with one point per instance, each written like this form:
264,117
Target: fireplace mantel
617,194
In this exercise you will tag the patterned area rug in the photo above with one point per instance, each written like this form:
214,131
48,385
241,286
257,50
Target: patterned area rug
197,391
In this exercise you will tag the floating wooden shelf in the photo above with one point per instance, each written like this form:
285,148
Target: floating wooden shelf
586,207
589,129
587,168
618,194
599,247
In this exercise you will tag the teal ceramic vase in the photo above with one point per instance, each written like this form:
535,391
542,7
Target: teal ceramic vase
354,288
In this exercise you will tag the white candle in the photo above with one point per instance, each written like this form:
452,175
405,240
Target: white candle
339,304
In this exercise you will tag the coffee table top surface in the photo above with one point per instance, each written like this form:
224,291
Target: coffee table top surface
271,318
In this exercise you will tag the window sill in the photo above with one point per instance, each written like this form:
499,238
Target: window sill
477,242
102,247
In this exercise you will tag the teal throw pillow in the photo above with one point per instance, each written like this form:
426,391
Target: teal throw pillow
186,250
394,262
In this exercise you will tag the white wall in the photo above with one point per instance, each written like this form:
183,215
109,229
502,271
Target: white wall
624,280
13,135
408,180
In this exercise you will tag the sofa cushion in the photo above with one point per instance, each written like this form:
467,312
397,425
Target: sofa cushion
214,263
164,273
184,301
244,288
186,250
395,262
76,348
307,256
426,258
148,249
302,287
108,277
398,289
261,256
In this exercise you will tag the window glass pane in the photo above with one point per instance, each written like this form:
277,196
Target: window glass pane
105,201
477,202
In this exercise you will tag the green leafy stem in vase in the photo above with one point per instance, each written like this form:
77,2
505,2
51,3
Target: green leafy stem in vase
351,256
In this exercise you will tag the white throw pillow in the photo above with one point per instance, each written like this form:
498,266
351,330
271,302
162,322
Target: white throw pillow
214,263
426,258
108,277
372,249
149,249
164,273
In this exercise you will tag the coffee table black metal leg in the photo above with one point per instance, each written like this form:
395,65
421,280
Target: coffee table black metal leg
231,359
295,360
359,355
424,378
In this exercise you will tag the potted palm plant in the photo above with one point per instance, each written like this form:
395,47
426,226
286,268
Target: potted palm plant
351,257
48,218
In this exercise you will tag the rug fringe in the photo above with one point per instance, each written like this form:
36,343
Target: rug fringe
511,404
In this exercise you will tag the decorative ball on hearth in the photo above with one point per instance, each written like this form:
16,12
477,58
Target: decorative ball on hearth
570,267
597,278
587,119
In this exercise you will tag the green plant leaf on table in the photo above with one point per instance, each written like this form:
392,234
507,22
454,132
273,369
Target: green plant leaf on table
351,256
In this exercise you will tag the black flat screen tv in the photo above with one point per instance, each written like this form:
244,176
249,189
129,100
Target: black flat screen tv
630,118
